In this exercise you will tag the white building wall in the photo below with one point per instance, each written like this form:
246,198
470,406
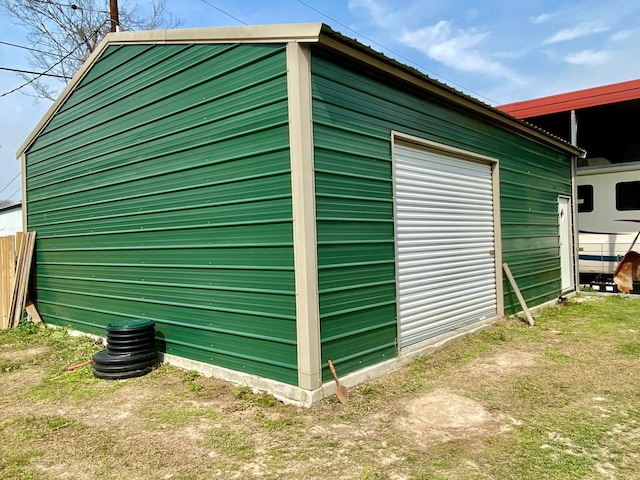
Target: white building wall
10,221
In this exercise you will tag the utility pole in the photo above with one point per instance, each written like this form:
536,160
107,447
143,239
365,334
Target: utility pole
113,9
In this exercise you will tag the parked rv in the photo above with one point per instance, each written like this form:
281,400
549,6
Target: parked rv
608,216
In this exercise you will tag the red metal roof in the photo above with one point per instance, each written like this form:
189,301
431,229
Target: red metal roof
590,97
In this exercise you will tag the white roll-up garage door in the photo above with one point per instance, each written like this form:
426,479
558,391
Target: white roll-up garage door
445,242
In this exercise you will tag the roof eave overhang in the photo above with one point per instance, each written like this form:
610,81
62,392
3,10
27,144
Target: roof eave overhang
354,49
317,33
576,100
299,32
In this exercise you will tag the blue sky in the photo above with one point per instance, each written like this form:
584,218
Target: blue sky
497,51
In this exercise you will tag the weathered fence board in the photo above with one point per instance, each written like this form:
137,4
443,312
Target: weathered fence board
7,277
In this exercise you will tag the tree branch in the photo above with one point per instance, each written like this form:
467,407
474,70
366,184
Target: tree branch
67,36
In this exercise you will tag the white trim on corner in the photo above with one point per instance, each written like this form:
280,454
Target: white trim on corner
23,172
575,228
305,245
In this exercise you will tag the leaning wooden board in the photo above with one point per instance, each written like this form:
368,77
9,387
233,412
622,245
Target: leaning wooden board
23,273
7,279
514,285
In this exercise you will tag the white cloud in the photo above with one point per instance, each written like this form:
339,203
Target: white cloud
380,13
371,6
579,31
545,17
622,35
456,49
589,58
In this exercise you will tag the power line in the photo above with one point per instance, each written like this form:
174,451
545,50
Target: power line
222,11
72,6
395,53
30,81
12,195
10,182
40,74
27,48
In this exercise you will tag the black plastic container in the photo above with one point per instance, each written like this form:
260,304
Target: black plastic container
130,350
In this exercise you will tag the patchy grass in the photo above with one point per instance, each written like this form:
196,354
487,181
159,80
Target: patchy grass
40,427
234,445
629,348
281,423
181,416
56,352
559,400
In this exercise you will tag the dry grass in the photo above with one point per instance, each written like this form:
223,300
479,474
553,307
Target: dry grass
556,401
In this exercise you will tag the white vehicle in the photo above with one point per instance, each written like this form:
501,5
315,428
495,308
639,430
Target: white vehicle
608,216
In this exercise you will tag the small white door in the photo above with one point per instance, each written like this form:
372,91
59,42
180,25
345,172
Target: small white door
566,245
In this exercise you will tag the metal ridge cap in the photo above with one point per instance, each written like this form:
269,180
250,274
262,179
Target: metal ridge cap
274,33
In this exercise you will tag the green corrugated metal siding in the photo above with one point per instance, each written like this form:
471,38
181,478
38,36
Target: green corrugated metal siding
354,113
161,189
354,207
530,231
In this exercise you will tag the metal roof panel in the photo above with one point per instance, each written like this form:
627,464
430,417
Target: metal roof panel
590,97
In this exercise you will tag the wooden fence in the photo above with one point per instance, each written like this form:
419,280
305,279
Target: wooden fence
7,279
16,255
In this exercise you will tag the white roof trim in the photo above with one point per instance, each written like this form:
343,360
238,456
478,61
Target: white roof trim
300,32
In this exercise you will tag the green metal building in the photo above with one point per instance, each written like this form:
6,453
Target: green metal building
277,196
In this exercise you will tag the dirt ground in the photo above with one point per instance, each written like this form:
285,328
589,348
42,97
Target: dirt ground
457,414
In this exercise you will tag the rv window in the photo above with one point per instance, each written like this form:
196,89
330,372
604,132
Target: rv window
628,196
585,198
